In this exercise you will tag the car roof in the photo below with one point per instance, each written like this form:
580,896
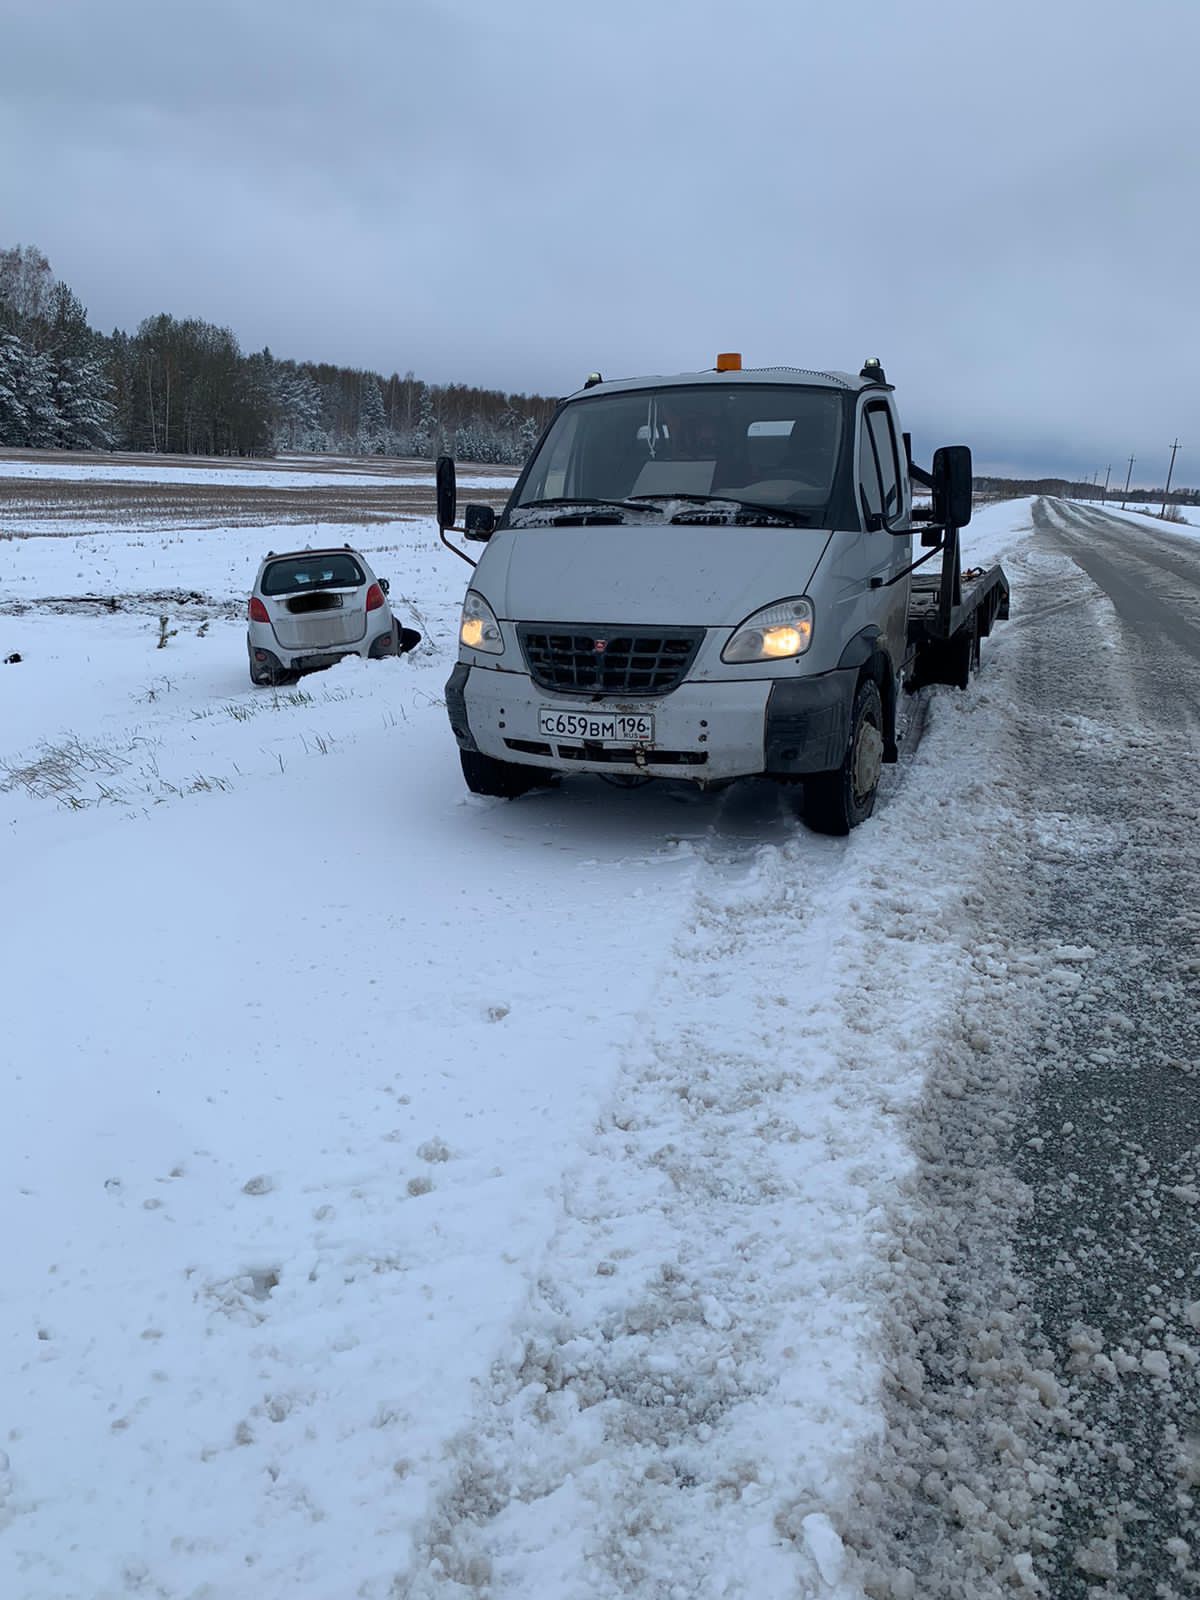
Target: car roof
802,377
318,550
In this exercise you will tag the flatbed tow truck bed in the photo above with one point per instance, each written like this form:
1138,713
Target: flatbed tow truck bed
949,612
983,592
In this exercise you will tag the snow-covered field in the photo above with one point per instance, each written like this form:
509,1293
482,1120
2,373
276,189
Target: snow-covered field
1144,516
408,1194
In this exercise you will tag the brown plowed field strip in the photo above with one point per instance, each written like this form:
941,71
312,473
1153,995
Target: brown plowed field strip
113,502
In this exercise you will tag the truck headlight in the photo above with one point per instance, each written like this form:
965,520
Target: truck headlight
776,633
479,629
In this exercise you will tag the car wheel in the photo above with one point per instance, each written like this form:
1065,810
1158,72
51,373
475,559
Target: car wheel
835,802
272,677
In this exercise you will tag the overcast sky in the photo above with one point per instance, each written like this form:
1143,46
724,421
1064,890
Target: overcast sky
1000,200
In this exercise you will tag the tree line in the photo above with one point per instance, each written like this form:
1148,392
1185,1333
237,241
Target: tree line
184,386
1069,489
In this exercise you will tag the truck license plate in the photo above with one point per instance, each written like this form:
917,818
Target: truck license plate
609,727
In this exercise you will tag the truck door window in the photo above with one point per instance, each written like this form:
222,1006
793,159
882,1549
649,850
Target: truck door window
879,422
870,489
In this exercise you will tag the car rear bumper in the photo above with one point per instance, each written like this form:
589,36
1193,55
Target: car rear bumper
312,658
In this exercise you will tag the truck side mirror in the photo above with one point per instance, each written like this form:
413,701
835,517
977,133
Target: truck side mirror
447,492
479,523
952,485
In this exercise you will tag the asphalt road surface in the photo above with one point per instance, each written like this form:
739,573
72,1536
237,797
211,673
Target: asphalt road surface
1044,1421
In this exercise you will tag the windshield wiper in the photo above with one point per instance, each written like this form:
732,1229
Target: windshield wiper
576,502
785,514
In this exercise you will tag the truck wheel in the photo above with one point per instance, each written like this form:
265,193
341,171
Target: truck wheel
835,802
503,779
950,661
964,654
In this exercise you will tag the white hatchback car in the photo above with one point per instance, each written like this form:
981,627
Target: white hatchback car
310,608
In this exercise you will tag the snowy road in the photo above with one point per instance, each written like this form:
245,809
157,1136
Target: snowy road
1112,1241
608,1194
1048,1436
1153,581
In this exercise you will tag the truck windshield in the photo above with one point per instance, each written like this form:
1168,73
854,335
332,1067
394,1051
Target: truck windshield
766,446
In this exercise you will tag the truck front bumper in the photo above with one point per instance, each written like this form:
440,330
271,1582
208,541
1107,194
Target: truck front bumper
705,732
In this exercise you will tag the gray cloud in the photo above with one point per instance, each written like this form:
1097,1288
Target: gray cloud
1000,203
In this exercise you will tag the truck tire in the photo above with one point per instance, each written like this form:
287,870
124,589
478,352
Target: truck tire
966,653
835,802
949,661
504,780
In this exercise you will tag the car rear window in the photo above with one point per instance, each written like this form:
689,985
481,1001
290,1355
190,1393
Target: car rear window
331,571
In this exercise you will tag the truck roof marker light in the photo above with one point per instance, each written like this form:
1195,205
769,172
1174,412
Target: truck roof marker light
729,361
592,379
872,367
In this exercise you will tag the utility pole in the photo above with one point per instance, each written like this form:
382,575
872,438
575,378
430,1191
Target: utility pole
1170,470
1128,475
1104,491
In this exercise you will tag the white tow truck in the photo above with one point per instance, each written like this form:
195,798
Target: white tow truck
710,576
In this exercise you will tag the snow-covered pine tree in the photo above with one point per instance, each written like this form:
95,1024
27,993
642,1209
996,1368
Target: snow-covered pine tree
298,410
83,410
12,403
32,376
304,400
427,435
372,419
25,304
471,443
527,437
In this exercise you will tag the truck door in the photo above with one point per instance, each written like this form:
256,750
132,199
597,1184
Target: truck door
883,495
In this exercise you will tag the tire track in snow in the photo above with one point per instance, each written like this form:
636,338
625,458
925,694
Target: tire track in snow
697,1370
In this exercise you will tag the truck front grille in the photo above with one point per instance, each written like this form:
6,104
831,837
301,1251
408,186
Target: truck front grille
622,662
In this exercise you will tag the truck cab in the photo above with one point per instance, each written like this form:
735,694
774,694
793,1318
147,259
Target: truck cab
701,577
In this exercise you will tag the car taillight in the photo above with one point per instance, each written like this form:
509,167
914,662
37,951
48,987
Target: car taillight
374,597
258,611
